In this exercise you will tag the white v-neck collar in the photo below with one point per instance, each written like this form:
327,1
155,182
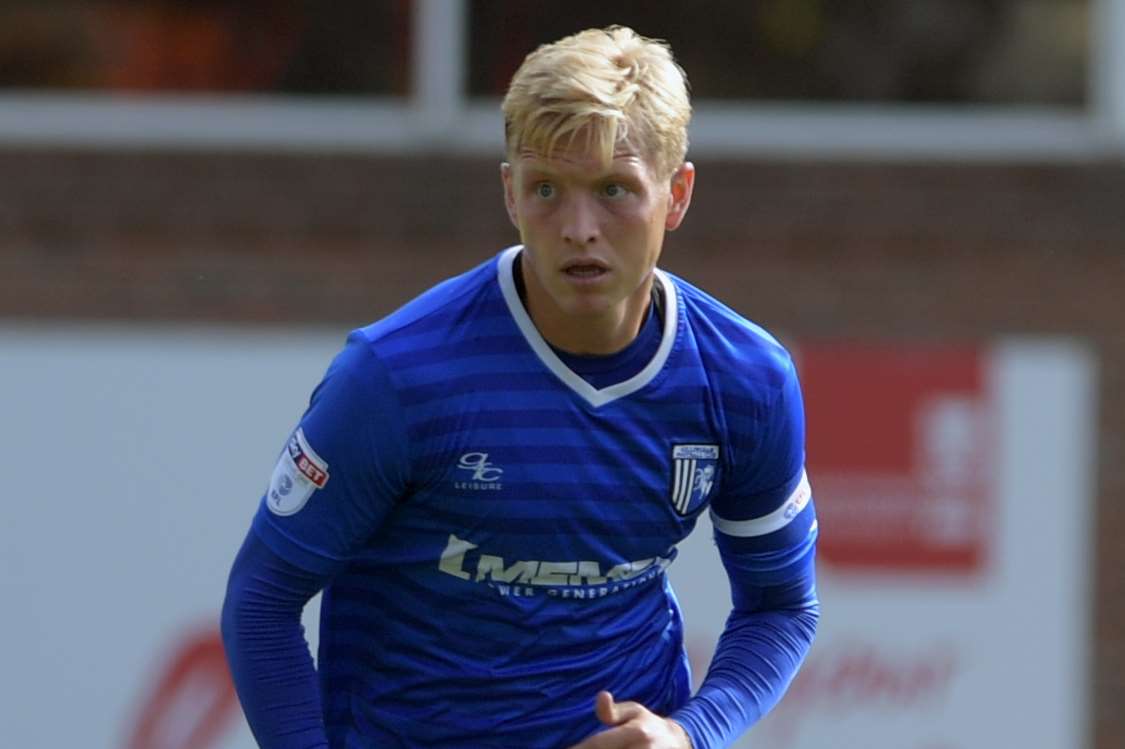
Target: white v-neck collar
594,396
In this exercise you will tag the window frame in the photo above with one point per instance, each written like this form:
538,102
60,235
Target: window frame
439,116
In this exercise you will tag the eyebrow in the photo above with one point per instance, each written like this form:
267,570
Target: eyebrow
627,171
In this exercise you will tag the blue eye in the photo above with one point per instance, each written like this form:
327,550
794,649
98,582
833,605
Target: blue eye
545,190
613,190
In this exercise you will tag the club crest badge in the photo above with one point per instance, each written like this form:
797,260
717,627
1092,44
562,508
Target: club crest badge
694,472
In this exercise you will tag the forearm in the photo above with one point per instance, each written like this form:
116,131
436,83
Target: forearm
766,638
268,655
755,660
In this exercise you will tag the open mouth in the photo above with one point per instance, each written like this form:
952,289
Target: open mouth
585,270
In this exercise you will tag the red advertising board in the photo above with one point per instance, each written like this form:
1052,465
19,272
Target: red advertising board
898,451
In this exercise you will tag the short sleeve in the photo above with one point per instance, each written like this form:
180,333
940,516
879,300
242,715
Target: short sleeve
765,513
343,468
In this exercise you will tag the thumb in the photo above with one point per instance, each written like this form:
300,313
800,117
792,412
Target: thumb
606,709
614,713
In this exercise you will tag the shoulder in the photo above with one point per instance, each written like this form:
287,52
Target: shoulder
741,357
420,331
449,306
758,403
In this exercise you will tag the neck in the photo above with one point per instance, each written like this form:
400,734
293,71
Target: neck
596,334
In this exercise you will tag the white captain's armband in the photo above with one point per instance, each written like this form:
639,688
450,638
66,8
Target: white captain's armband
774,521
299,472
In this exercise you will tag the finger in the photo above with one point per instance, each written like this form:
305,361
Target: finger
606,709
614,713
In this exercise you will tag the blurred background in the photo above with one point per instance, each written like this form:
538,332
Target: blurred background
925,199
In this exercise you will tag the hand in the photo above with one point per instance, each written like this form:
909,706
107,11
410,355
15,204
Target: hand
633,726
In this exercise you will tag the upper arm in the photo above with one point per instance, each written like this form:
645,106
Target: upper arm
343,468
765,519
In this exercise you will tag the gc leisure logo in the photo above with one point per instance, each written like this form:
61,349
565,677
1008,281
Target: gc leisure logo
477,473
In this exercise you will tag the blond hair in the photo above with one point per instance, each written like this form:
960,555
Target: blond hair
612,85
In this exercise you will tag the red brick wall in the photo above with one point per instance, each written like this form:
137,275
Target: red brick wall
917,251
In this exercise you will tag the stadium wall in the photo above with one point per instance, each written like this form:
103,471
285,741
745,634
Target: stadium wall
896,252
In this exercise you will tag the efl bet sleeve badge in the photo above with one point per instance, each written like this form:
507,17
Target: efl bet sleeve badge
299,472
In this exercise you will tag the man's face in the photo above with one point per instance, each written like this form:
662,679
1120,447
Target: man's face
592,233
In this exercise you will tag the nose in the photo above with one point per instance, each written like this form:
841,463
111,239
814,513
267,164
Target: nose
580,220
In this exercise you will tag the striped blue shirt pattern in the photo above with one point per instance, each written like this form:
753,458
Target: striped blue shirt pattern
500,528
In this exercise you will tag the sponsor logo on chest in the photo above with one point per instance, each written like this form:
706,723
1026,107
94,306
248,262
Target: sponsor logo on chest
585,579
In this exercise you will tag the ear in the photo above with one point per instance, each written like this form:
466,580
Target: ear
509,193
679,198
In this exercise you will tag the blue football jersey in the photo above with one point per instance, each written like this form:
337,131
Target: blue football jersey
499,528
